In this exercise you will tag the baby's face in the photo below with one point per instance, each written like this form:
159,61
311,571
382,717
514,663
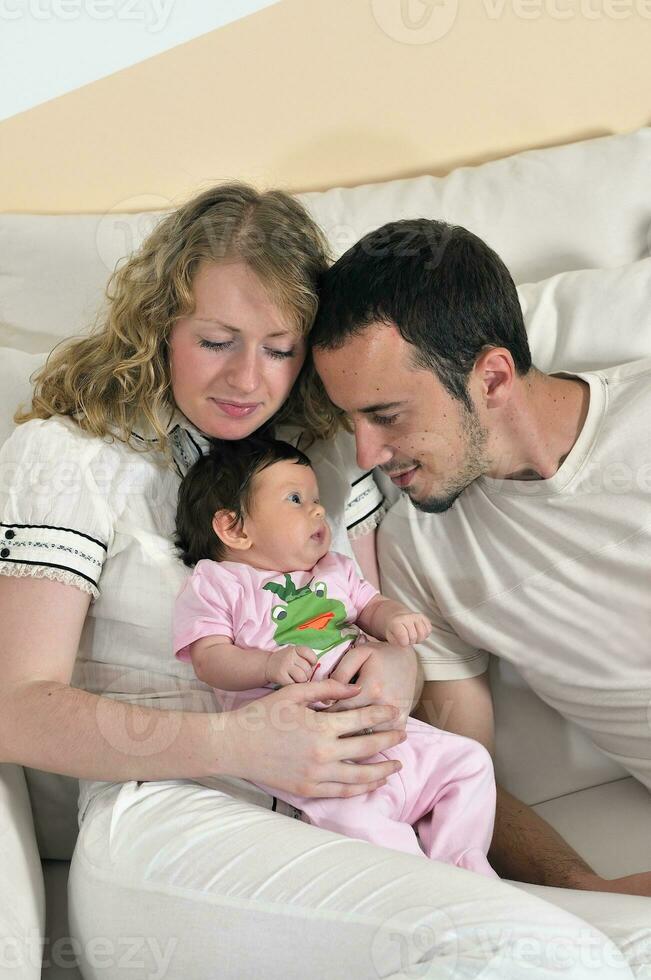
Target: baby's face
286,524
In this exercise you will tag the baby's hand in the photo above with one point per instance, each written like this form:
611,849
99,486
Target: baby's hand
290,665
407,628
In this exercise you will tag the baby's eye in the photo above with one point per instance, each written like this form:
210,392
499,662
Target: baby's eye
294,497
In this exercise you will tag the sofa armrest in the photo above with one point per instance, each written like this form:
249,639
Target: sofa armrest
22,893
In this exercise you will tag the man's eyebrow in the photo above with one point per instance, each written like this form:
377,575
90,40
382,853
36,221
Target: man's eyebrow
227,326
379,407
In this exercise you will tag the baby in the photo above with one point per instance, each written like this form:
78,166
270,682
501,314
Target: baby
269,604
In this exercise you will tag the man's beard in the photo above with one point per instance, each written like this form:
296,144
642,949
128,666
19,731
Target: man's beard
475,462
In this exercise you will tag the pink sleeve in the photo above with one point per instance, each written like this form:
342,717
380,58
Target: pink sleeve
359,590
204,607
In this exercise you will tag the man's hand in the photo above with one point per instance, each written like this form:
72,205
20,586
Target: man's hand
405,629
387,675
290,665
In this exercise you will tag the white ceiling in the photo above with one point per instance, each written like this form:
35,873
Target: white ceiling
50,47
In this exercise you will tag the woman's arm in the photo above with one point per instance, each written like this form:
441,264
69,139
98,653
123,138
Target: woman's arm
47,724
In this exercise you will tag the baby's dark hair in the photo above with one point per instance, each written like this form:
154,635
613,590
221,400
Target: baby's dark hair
221,480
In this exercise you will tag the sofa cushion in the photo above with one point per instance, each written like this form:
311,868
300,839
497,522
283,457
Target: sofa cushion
16,368
22,899
589,320
580,206
608,825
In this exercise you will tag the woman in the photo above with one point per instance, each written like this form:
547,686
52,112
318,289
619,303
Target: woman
182,868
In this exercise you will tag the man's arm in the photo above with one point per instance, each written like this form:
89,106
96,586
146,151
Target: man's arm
525,847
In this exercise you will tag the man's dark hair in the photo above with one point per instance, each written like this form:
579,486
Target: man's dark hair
221,480
447,292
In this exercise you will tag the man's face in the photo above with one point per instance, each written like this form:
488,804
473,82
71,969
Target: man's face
405,421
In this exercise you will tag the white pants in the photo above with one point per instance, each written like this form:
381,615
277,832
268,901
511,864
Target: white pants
179,881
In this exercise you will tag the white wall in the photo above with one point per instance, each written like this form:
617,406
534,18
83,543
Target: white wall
49,47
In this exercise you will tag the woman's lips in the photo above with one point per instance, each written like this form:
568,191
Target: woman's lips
235,410
404,479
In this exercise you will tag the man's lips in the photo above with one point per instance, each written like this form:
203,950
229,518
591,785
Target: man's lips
235,410
404,477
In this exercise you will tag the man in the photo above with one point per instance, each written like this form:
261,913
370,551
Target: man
538,547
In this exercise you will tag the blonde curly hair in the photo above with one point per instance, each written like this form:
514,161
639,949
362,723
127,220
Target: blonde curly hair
118,375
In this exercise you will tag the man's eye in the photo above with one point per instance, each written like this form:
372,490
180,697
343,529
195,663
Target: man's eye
215,344
385,419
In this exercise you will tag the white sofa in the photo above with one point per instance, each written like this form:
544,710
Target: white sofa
548,212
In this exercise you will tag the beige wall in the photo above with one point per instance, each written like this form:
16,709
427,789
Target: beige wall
311,93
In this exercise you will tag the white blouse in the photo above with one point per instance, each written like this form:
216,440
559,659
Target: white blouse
100,515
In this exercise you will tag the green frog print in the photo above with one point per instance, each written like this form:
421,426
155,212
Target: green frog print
308,618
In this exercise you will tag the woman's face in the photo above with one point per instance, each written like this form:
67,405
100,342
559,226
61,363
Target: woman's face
233,362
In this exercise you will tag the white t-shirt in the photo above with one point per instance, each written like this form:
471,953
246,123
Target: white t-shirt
100,516
553,575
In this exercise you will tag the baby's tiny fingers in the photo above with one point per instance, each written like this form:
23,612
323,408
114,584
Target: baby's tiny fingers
400,635
307,654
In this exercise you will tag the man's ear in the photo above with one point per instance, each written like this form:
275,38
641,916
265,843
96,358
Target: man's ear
495,371
231,531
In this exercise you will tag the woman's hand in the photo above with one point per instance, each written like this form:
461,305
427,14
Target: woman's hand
280,741
387,675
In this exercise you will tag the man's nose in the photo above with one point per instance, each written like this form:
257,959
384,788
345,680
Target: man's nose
371,450
243,372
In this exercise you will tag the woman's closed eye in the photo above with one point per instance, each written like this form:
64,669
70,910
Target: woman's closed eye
224,345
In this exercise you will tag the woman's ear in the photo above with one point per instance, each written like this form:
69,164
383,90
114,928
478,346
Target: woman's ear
231,531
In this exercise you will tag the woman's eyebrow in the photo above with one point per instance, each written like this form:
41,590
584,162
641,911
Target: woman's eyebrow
227,326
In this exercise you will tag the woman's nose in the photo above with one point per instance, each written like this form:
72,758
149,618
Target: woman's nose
243,373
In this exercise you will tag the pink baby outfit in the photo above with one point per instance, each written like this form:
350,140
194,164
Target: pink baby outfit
442,801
